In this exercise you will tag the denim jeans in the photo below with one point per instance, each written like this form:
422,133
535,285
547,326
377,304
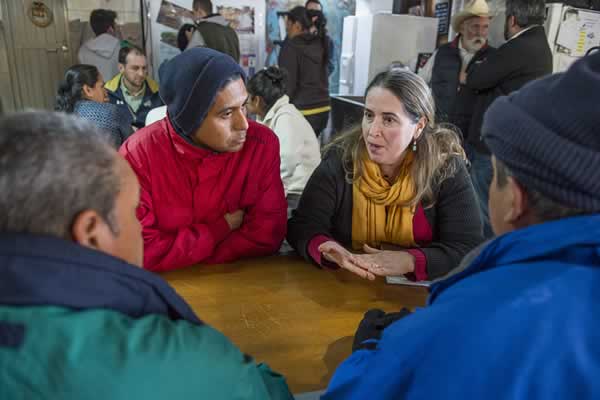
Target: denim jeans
481,172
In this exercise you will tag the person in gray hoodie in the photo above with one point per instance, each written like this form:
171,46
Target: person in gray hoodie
102,51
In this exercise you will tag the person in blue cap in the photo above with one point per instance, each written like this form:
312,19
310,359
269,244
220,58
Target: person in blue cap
210,185
519,322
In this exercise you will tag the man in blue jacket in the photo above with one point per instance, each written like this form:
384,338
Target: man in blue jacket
132,88
79,318
520,321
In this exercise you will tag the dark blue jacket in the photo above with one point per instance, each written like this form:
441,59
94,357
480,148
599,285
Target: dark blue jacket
42,270
521,322
151,99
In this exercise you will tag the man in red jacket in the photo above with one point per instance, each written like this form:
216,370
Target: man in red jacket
210,185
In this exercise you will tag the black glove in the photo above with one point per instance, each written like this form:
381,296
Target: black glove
372,326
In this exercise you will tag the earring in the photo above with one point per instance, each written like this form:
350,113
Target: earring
414,145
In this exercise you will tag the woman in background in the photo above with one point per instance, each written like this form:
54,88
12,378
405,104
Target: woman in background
82,93
395,188
305,57
299,148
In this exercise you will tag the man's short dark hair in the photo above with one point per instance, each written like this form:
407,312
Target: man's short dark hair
126,50
53,166
101,20
526,12
204,5
544,208
313,1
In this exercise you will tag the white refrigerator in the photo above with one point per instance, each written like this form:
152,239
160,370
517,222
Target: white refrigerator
371,42
571,33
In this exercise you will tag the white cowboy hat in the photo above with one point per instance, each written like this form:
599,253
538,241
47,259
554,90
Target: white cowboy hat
474,8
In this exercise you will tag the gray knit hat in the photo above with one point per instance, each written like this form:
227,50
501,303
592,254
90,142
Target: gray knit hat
548,135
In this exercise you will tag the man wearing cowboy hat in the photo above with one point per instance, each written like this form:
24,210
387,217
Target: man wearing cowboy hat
452,60
526,56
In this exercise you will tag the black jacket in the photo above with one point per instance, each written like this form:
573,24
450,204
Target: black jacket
308,81
454,102
219,37
325,208
518,61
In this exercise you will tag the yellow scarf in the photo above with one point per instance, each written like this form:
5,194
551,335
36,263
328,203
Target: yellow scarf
376,217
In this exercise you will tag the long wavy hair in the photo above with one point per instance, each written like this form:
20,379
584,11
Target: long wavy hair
437,146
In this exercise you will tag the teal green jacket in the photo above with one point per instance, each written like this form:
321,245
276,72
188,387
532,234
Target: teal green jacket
78,324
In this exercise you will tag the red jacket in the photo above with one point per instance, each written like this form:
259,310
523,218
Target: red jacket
187,190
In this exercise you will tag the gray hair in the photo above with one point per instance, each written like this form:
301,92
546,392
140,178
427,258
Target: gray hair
544,208
53,166
526,12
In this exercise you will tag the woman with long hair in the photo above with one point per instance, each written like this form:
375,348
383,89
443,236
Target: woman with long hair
305,57
395,188
82,93
298,146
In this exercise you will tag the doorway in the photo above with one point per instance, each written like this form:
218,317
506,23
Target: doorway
37,48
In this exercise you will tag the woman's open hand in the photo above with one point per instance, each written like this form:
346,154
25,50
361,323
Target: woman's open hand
336,253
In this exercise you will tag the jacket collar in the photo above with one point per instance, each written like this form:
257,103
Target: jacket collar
455,43
184,147
573,240
216,19
282,102
524,31
114,84
304,39
43,270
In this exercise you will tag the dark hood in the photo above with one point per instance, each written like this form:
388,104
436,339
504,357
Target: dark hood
190,83
310,46
43,270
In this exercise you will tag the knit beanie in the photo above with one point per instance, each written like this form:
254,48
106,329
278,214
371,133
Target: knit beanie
190,82
548,135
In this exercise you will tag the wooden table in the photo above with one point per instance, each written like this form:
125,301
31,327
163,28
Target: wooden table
283,311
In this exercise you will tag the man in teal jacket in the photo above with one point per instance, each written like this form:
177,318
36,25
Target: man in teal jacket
78,318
